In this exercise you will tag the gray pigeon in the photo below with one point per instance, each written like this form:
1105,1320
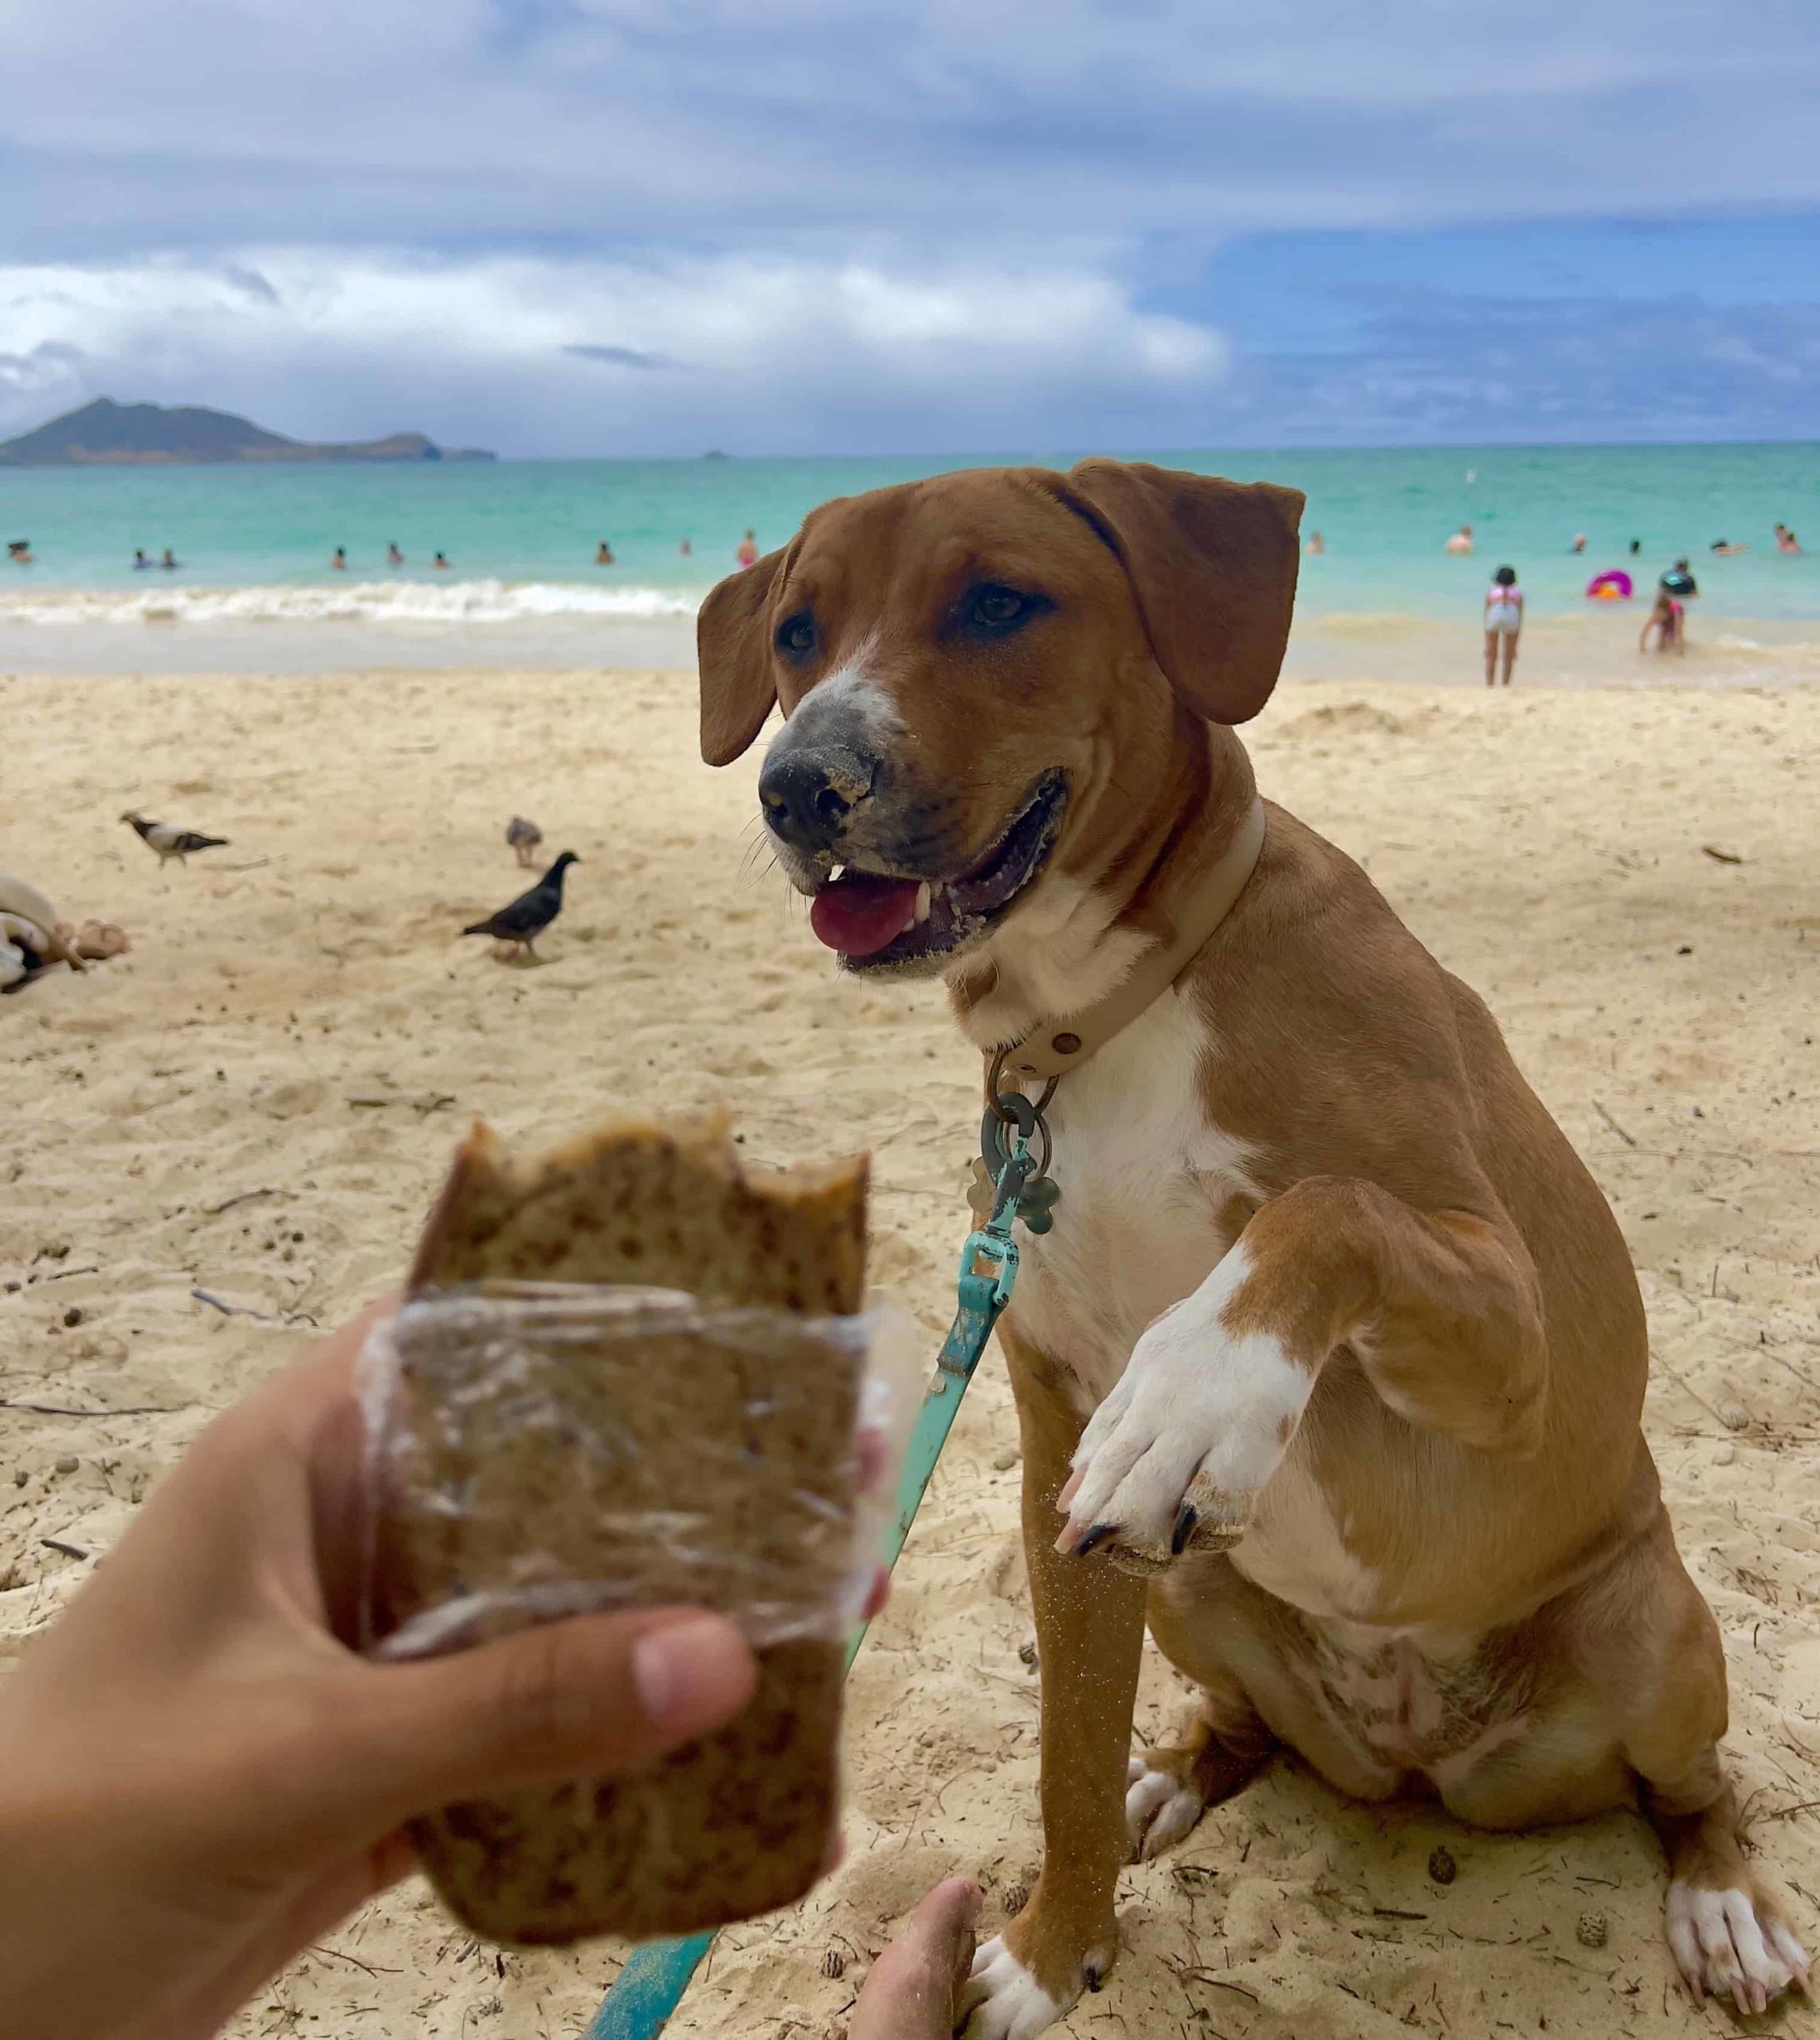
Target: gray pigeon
522,836
531,912
169,841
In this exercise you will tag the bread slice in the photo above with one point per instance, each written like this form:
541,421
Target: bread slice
751,1437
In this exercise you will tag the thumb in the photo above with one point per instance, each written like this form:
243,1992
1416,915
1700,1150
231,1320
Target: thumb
583,1698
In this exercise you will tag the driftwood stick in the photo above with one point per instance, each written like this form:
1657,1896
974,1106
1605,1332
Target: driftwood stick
1629,1139
68,1550
242,1310
125,1409
246,1197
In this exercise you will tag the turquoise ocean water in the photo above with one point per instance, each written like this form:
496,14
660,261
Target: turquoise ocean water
254,543
535,524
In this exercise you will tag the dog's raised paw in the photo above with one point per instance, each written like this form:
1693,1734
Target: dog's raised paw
1173,1459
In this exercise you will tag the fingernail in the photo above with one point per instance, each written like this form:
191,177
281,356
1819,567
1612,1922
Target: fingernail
1094,1539
687,1672
1184,1530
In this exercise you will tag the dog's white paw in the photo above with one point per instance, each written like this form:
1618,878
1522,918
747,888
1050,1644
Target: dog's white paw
1726,1944
1159,1809
1003,2000
1197,1424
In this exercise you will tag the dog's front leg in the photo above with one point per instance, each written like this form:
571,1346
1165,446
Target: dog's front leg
1089,1637
1443,1308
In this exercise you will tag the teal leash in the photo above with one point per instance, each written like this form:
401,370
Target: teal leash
1009,1184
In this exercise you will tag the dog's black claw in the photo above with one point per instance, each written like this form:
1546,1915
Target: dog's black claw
1095,1981
1094,1539
1184,1529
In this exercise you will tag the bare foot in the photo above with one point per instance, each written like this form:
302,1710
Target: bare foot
914,1990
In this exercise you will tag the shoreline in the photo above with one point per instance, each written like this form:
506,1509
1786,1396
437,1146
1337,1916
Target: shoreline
1595,648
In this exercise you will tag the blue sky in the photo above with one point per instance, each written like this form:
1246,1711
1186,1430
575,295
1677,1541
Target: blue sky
601,226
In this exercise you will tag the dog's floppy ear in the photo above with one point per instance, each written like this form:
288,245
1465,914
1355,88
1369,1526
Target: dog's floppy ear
733,648
1212,564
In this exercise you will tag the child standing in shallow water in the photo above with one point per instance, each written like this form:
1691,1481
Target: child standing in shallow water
1503,624
1665,620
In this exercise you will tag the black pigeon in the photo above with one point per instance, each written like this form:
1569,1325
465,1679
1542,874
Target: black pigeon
169,842
531,912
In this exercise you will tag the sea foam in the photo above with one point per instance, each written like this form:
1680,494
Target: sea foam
407,602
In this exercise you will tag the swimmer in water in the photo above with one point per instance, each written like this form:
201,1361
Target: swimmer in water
1462,540
440,564
686,549
1317,544
1786,541
1579,543
141,559
19,551
170,562
747,556
603,555
340,562
394,557
1724,548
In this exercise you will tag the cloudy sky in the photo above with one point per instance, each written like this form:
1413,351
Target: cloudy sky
559,227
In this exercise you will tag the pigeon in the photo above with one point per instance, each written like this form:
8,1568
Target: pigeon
522,836
171,843
531,912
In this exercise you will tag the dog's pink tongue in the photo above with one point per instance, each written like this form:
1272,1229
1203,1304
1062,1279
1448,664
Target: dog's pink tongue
859,913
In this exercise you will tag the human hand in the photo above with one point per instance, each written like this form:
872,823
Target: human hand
914,1990
198,1776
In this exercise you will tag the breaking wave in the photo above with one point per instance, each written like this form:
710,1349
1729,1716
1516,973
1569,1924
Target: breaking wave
409,602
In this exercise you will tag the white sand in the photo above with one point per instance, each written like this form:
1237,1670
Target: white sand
1547,845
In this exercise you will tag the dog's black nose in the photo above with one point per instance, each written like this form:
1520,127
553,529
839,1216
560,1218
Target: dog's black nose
808,794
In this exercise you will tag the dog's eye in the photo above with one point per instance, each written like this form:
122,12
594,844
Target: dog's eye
796,636
995,608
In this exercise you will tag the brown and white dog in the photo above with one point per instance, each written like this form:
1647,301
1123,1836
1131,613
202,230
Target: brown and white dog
1334,1336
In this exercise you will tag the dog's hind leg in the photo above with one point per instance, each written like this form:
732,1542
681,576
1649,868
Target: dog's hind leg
1224,1745
1662,1661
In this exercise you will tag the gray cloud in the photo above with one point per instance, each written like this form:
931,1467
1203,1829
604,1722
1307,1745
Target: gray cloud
829,209
251,281
620,357
611,123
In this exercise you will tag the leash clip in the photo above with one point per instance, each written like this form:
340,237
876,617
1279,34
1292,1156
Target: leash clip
1012,1122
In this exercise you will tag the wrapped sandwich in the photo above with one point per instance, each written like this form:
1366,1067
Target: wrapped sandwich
628,1375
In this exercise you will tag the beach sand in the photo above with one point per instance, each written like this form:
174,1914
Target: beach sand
260,1101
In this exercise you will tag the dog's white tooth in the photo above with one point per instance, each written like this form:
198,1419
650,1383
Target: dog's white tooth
923,896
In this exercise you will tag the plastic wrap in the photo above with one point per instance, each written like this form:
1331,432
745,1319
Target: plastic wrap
537,1451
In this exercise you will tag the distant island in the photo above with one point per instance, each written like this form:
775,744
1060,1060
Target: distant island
104,434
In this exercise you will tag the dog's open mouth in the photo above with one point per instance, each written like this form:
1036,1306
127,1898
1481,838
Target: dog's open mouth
875,920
